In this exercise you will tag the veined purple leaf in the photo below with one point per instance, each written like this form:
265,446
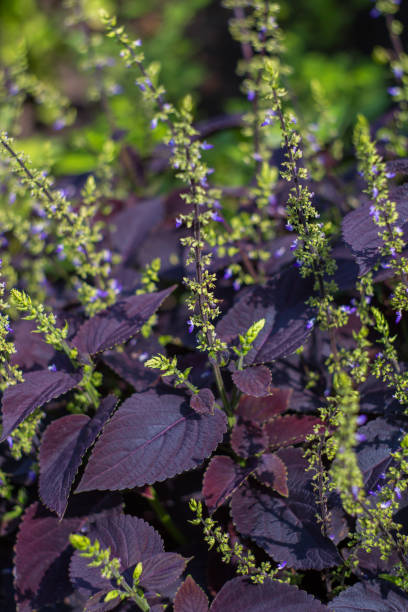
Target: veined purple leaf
373,596
203,402
374,454
222,477
272,472
132,540
42,551
63,446
31,350
190,597
361,233
134,224
290,429
248,439
261,410
38,388
286,528
254,381
118,323
151,438
282,304
129,365
242,594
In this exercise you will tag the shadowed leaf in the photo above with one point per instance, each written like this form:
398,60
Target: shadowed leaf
264,409
190,597
151,438
373,596
272,472
248,439
203,402
222,477
290,429
254,381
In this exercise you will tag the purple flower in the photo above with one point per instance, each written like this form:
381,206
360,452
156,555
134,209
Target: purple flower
190,326
386,504
398,317
310,323
10,441
206,146
375,192
14,89
374,212
237,285
216,217
361,419
178,222
52,367
102,293
141,86
153,123
298,263
251,95
116,89
59,124
289,227
228,273
374,169
9,329
390,175
374,13
12,197
397,492
282,565
272,200
294,244
279,252
360,438
398,72
354,491
394,91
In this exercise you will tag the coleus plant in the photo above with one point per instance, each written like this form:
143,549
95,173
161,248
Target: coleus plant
287,402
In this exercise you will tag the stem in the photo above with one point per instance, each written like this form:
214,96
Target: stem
141,602
165,519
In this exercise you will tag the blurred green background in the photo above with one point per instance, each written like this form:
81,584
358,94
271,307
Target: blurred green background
328,42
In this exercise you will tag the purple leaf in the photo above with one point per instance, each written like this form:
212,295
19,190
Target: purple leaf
272,472
129,365
373,596
242,594
151,438
374,454
286,528
262,410
203,402
64,443
190,597
31,350
248,439
38,388
290,429
282,304
118,323
132,540
254,381
42,550
361,233
222,477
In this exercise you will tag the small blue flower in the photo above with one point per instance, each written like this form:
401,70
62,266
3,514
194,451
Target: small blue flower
375,192
374,13
251,95
206,146
294,244
386,504
398,72
59,124
10,441
228,273
237,285
190,326
390,175
354,491
310,323
398,317
216,217
52,367
394,91
397,492
361,419
289,227
179,222
153,123
360,438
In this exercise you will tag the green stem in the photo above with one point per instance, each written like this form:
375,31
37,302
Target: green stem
165,519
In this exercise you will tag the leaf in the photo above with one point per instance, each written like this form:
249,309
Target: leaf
222,477
374,454
38,388
282,304
254,381
42,550
242,594
190,597
373,596
129,365
63,446
151,438
203,402
361,233
118,323
248,439
285,528
264,409
133,541
272,472
290,429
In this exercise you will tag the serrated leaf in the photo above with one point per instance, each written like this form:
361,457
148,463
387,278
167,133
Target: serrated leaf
261,410
282,304
254,381
222,477
38,388
248,439
242,594
118,323
286,528
190,597
161,570
203,402
290,429
373,596
63,446
272,472
151,438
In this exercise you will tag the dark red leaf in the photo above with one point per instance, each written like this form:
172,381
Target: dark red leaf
254,381
272,472
64,443
248,439
285,527
118,323
190,597
373,596
132,540
264,409
282,304
38,388
290,429
222,477
203,402
151,438
242,594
